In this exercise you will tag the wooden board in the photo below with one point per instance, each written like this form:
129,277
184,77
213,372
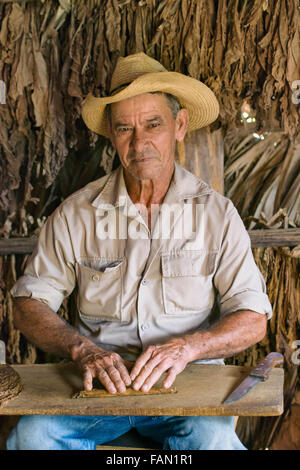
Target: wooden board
49,388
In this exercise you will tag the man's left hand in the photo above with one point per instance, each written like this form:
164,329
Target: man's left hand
171,357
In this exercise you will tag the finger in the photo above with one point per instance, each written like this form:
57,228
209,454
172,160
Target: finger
142,376
140,363
170,378
155,375
116,378
118,373
150,373
123,371
87,379
105,379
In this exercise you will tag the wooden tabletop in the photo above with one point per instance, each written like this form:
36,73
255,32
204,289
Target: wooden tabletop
48,390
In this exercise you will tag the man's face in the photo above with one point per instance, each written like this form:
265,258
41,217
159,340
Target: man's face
144,133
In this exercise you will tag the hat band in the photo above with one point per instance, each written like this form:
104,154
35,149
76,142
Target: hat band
118,88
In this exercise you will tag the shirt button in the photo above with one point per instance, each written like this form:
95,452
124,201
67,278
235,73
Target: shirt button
145,326
96,277
144,282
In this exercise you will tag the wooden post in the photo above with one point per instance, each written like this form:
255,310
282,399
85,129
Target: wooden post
204,156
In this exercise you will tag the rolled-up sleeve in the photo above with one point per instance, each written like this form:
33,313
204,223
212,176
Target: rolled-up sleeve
239,282
49,274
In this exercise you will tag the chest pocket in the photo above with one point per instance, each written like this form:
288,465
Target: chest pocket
100,290
187,281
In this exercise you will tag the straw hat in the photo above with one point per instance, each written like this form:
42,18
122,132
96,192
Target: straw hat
139,73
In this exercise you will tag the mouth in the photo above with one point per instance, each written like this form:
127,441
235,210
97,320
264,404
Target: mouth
142,159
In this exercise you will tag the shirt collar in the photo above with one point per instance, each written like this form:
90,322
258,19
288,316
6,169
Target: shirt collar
184,185
114,193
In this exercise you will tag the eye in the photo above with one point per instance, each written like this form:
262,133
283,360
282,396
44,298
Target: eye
153,125
123,130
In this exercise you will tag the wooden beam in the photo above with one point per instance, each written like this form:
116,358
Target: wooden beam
265,237
17,246
275,237
16,1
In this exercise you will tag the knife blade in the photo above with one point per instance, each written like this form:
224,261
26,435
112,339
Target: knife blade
259,374
2,352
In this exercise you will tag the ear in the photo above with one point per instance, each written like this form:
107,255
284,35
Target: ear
182,122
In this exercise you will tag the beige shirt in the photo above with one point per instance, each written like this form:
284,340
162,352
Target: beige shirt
135,287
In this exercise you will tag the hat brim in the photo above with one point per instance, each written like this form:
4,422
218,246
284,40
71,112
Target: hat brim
193,95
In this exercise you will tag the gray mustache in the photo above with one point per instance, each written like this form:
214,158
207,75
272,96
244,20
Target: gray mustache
144,154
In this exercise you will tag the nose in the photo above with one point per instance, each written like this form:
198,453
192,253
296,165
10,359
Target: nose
138,140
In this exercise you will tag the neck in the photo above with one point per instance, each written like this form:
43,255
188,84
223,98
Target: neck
148,191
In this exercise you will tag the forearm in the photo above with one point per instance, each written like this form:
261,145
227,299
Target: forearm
44,328
231,335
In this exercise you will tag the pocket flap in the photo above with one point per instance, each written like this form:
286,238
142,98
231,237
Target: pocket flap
188,263
99,270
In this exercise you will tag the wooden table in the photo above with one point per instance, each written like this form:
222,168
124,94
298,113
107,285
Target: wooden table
48,390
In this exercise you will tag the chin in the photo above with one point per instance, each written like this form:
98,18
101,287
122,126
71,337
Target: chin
146,173
149,175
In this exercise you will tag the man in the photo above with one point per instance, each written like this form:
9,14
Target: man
152,250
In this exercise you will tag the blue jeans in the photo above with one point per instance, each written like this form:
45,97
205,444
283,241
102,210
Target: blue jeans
85,432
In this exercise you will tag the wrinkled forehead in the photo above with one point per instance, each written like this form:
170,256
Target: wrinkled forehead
144,104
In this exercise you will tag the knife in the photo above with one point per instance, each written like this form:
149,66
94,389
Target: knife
2,352
259,374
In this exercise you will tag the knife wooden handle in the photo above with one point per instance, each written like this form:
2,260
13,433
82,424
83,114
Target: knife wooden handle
264,367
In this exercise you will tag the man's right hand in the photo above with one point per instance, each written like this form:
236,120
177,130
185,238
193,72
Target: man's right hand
107,366
45,328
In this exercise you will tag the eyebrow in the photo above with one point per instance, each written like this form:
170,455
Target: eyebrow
155,118
127,124
121,124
